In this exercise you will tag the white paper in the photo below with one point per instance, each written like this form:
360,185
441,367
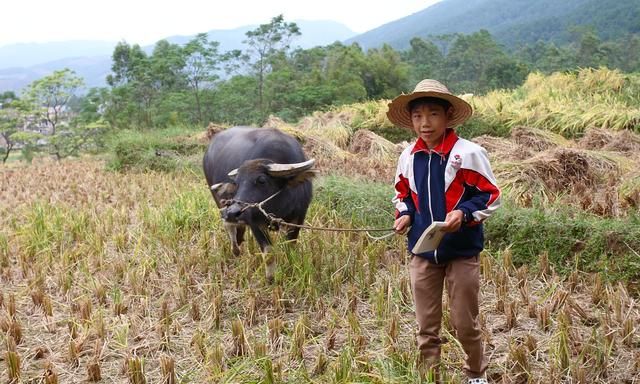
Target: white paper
430,238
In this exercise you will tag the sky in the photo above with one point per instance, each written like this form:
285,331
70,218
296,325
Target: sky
146,21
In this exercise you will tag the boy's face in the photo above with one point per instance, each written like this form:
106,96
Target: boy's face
430,122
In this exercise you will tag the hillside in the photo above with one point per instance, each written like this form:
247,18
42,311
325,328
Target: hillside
92,69
21,64
512,22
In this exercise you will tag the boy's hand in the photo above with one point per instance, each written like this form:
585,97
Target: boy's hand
402,223
453,221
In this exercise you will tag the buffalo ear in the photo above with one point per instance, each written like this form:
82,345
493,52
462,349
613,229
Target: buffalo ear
215,187
224,189
301,177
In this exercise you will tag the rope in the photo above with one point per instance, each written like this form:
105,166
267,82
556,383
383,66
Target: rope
273,219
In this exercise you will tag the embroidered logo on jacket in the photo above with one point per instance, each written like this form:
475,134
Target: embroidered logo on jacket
456,162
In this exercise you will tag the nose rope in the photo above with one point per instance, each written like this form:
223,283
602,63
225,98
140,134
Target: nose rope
244,204
259,205
273,219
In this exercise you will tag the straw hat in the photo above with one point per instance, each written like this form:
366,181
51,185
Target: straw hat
399,113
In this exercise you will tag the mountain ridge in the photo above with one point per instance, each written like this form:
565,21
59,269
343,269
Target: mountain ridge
511,22
22,63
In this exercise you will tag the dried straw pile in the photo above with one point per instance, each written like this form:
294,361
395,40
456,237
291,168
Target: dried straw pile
501,149
276,122
367,143
598,179
213,129
328,137
334,126
622,141
537,139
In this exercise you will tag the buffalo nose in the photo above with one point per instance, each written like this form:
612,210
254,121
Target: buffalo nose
232,212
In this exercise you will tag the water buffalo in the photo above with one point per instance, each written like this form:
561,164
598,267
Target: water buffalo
245,165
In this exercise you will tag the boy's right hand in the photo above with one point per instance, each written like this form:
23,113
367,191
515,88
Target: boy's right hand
402,223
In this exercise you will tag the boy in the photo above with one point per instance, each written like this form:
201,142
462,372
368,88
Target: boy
443,178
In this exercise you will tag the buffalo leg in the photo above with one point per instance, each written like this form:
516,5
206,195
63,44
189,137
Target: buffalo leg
240,234
292,233
235,231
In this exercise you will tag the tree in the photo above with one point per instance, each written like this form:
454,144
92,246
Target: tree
626,57
132,85
424,59
165,67
28,141
344,66
48,98
590,52
505,73
301,84
127,64
13,116
385,75
202,61
232,104
547,57
90,123
476,63
50,95
10,118
444,42
266,42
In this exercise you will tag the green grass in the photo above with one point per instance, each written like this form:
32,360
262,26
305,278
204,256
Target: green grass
165,150
362,203
478,125
572,239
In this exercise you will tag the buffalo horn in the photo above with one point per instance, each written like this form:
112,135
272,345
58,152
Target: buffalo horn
284,170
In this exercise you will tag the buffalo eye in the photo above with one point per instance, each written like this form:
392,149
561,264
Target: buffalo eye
261,179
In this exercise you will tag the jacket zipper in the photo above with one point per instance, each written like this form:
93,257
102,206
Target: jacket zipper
435,252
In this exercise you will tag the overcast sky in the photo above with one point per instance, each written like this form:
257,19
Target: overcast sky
146,21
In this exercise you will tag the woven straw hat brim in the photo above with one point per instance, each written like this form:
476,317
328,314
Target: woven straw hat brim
399,114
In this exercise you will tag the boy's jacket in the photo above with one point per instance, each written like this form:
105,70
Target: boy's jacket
431,183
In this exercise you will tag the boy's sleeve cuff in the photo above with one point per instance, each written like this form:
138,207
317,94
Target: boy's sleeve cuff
405,213
466,214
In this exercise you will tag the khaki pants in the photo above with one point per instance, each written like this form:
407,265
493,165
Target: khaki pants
463,285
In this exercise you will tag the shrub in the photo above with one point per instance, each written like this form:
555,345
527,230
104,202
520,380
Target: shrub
152,152
571,239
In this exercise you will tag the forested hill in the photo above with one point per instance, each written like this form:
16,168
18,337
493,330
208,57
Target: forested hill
511,22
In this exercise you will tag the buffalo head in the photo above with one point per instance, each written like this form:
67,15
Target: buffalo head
259,179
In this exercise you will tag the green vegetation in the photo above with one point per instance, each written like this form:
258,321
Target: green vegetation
195,83
171,87
571,239
364,203
158,150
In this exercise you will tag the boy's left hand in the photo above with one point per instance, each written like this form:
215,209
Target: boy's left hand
453,221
